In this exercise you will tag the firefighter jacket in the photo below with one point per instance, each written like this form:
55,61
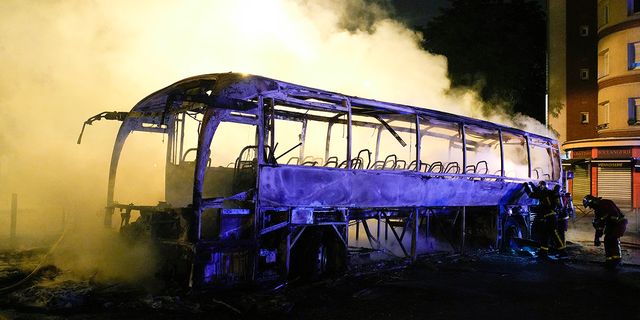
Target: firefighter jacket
548,201
607,217
565,209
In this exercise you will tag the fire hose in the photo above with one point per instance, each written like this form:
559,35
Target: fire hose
39,266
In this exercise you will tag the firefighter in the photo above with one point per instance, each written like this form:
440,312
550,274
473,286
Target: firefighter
548,203
565,211
609,221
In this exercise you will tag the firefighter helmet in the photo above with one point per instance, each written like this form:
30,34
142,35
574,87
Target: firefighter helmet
542,185
590,201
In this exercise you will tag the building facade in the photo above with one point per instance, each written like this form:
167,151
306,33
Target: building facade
600,125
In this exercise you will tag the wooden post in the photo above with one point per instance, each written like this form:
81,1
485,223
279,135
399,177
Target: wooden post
14,217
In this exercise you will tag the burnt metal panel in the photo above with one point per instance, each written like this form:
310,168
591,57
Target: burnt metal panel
332,187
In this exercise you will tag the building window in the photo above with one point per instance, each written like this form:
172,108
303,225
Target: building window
633,6
584,117
603,63
633,54
584,74
604,14
634,111
603,115
584,30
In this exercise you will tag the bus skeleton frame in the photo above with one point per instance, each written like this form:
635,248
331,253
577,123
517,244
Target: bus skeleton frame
277,220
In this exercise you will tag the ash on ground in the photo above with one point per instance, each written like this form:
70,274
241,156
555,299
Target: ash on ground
469,285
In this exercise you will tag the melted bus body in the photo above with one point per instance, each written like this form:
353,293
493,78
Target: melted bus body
267,180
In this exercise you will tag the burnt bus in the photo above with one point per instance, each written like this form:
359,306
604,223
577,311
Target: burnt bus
264,180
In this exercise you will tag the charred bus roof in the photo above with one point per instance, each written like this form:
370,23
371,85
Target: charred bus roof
237,91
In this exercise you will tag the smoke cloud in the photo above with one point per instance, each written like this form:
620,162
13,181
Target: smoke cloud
64,61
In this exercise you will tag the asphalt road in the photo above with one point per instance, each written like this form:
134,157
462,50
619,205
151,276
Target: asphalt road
473,285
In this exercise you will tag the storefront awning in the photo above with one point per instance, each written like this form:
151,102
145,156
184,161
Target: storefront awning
568,162
610,160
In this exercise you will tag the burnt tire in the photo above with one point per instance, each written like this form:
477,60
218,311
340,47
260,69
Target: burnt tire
308,256
511,233
318,254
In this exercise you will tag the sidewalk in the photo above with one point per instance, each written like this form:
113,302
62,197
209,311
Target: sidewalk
581,232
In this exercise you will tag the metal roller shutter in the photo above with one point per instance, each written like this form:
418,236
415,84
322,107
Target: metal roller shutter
581,183
615,184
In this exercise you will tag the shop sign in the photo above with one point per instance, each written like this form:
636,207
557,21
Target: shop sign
614,153
581,153
613,164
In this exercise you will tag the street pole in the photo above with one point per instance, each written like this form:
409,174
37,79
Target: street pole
14,218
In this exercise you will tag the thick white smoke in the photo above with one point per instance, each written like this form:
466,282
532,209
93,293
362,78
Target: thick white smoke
64,61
